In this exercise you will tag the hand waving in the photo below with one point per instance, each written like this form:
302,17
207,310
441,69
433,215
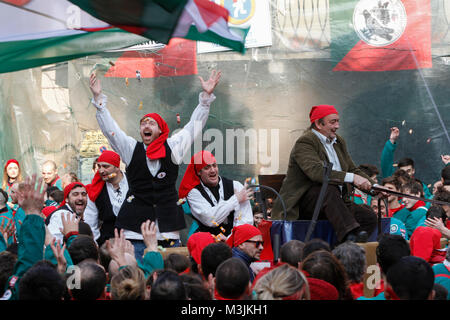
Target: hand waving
95,86
30,198
209,85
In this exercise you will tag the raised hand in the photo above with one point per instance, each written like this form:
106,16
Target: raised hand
445,158
30,198
148,230
58,251
395,132
245,194
70,222
118,248
209,85
95,86
7,231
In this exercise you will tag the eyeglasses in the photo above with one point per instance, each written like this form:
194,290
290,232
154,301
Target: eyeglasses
257,243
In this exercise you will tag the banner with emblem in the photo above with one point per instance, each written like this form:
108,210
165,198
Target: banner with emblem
382,35
253,14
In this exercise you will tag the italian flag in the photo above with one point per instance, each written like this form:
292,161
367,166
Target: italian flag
359,29
161,20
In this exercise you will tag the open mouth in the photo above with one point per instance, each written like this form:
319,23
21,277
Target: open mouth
147,134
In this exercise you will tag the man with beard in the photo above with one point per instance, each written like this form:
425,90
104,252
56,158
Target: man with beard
217,203
246,243
152,165
75,201
106,195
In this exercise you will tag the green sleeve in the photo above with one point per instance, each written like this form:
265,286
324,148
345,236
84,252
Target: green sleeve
30,244
29,251
387,159
3,245
152,261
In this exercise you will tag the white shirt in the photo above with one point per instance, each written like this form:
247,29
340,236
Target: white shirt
116,198
179,143
203,211
332,155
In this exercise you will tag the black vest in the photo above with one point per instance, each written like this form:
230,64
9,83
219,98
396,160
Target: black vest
64,207
149,197
227,224
106,216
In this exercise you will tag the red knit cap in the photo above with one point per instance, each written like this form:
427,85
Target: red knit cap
156,149
96,186
11,161
69,188
190,179
242,233
320,111
197,242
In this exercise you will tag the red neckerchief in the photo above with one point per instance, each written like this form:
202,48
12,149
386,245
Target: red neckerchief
393,211
54,180
418,204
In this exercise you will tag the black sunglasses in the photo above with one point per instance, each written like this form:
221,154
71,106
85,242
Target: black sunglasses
257,243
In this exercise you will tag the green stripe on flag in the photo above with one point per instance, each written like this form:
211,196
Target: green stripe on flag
18,55
210,36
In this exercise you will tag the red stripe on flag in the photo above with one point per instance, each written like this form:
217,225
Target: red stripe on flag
178,58
411,51
210,11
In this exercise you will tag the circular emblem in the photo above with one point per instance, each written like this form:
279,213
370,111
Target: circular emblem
379,23
394,228
161,175
240,10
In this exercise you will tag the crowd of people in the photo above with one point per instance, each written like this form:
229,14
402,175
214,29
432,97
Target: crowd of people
64,240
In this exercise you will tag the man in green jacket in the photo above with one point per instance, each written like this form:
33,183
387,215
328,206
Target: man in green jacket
301,187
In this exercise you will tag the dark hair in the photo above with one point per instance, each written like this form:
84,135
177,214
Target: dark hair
93,281
57,195
405,162
85,229
391,180
232,278
313,124
41,282
325,266
314,245
436,211
402,176
177,262
445,174
212,256
353,259
369,169
168,286
391,248
51,189
440,291
414,187
292,252
195,289
442,195
411,278
83,247
7,262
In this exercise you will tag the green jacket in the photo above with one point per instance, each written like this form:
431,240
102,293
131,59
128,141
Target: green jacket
305,168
